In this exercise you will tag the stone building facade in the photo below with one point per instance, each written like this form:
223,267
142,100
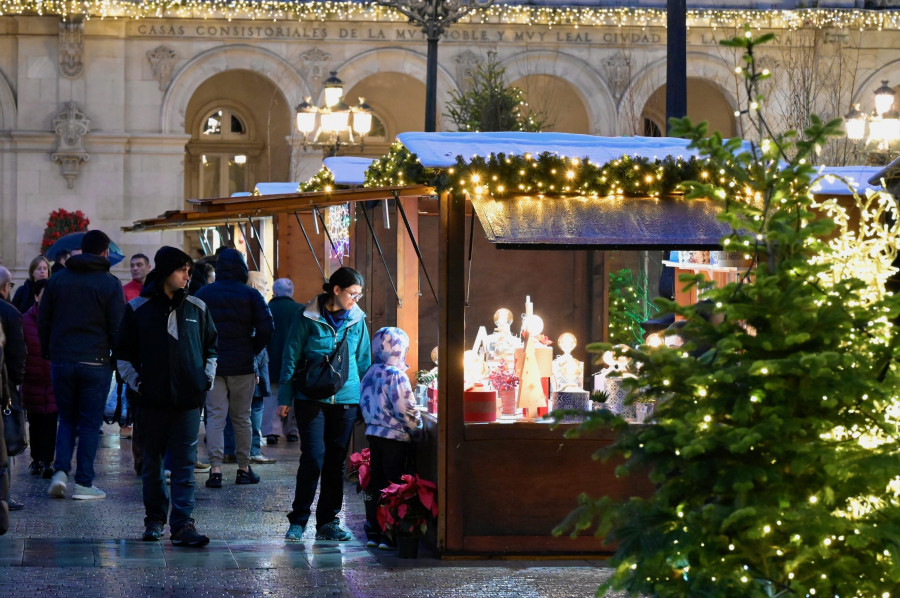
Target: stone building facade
127,117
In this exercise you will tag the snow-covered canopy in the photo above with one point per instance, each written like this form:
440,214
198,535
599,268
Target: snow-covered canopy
348,170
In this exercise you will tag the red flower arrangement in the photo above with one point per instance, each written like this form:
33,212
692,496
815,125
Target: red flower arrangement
61,223
407,507
361,464
503,379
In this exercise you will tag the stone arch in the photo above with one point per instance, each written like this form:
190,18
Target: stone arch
398,60
864,94
594,93
225,58
7,106
712,70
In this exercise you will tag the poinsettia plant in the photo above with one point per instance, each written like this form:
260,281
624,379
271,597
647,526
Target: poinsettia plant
361,465
61,223
407,507
503,379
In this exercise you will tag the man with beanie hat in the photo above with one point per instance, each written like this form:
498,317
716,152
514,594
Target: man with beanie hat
167,355
78,324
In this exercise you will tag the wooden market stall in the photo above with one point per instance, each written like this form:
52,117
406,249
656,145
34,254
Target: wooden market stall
502,486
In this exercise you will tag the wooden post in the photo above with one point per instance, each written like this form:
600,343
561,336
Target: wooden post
451,346
408,283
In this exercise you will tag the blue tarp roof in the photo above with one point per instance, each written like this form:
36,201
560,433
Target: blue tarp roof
348,170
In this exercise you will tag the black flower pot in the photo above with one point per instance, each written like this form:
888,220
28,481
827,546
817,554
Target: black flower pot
408,547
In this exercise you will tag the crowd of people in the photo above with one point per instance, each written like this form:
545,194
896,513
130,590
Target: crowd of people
185,343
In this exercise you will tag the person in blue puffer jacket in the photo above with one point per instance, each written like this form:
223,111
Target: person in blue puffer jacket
389,409
325,425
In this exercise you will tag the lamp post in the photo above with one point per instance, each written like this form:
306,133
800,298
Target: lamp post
323,126
433,16
883,126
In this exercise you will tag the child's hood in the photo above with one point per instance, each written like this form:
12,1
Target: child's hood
389,347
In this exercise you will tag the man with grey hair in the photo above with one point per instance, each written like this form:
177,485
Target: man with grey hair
283,308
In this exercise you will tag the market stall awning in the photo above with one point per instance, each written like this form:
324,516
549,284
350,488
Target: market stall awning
600,222
348,170
225,210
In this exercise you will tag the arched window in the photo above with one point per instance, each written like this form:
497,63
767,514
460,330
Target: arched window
223,146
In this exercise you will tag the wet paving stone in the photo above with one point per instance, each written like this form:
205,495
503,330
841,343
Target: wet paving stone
91,549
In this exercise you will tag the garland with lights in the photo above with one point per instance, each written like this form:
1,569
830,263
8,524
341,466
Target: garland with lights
321,181
774,444
550,16
401,167
551,175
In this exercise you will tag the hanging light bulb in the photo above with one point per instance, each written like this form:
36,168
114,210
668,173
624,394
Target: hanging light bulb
884,98
306,117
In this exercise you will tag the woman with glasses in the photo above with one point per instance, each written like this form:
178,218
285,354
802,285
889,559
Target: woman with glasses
325,424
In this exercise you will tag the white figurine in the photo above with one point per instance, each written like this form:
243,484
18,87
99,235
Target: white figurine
568,372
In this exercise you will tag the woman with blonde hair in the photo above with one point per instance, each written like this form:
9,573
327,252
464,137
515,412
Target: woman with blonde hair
37,270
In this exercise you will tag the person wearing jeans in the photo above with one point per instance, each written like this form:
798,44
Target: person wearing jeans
325,425
167,357
78,324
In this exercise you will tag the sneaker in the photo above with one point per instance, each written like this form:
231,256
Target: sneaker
333,531
153,531
387,544
58,483
187,535
88,493
246,477
294,533
201,467
14,505
229,459
261,459
214,481
292,438
127,432
271,439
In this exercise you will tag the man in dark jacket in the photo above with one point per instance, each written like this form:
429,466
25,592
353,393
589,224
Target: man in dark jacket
167,356
283,308
244,325
78,323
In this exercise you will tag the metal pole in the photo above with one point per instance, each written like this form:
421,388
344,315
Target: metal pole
311,250
676,62
380,252
431,86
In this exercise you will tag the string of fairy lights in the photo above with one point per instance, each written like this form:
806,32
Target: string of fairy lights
504,14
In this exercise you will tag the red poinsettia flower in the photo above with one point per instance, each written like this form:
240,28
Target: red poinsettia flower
361,463
406,507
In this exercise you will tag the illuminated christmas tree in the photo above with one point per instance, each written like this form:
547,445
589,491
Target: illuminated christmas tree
774,444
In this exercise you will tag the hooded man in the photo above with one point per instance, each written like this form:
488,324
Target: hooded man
167,356
245,327
78,325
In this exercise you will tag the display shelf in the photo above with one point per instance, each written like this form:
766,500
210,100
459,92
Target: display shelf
704,267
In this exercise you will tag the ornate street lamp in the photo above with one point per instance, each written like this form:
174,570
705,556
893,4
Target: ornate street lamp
883,125
434,16
333,124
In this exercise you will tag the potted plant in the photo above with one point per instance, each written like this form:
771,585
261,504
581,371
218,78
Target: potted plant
505,382
405,510
61,223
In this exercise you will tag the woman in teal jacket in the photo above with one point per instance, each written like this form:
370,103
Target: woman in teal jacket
325,425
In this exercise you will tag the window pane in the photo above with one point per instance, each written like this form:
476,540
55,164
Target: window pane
213,125
237,174
237,126
210,167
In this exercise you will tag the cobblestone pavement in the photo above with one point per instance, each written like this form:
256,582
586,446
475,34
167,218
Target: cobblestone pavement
92,548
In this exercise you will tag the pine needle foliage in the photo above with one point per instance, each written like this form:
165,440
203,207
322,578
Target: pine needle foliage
490,104
774,447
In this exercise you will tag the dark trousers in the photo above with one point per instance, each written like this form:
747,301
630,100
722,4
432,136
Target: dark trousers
80,391
168,436
390,459
324,438
42,434
4,481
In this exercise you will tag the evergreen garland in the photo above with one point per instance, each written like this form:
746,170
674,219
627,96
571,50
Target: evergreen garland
774,446
626,307
551,175
401,167
321,181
